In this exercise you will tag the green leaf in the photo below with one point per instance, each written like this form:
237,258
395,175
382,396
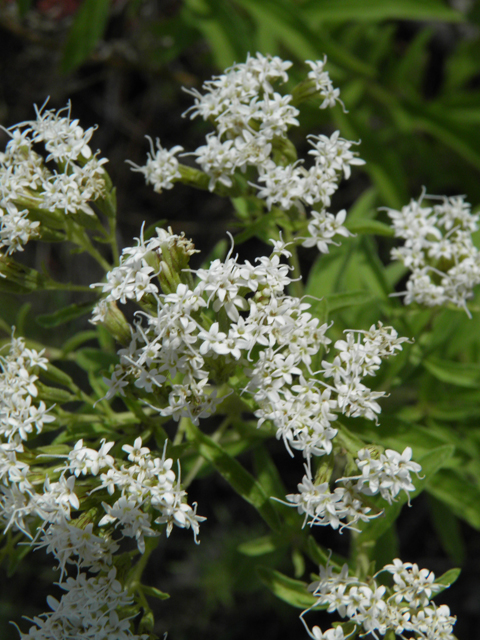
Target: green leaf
294,592
226,30
460,374
87,29
154,592
24,6
171,37
363,208
267,473
15,558
322,556
290,27
455,489
235,474
54,450
259,546
448,578
385,548
94,360
337,301
448,530
263,228
373,227
53,394
460,137
18,278
58,376
65,315
373,10
78,339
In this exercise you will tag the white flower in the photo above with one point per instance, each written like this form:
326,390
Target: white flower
161,169
388,475
218,159
324,227
438,250
333,153
283,185
323,84
15,227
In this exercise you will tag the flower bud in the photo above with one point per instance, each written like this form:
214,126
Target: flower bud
110,317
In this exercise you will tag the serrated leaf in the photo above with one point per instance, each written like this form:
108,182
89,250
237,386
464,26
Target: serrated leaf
294,592
87,29
374,10
65,315
235,474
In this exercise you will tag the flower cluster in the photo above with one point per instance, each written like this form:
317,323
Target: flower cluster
91,607
304,413
161,169
136,499
69,178
238,319
139,266
251,122
200,335
139,498
387,475
21,415
438,250
374,608
148,484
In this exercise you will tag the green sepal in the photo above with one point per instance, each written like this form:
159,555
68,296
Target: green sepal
155,593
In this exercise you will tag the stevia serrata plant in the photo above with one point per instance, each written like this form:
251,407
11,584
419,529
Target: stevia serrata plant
235,339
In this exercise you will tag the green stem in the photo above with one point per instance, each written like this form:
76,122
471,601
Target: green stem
96,255
297,285
199,462
133,582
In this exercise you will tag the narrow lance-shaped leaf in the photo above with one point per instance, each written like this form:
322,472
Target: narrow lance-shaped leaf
459,374
294,592
65,315
375,10
86,31
235,474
